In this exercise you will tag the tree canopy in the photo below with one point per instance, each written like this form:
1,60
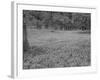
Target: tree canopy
57,20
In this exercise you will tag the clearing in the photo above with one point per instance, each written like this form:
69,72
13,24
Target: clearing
51,49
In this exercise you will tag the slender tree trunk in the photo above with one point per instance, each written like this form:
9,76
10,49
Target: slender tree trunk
25,41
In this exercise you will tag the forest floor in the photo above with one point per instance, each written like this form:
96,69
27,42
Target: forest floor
51,49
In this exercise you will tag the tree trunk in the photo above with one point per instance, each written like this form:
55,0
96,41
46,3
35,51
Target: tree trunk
25,41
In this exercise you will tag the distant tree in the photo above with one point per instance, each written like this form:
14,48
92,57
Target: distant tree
58,20
82,21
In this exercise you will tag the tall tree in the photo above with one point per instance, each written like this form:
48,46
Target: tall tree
25,40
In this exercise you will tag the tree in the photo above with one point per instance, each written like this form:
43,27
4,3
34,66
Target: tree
57,20
25,40
82,21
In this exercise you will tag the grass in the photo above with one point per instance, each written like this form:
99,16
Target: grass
57,49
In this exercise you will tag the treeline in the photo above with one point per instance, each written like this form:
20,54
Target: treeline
56,20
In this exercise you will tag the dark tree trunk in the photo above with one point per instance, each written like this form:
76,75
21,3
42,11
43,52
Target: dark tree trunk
25,41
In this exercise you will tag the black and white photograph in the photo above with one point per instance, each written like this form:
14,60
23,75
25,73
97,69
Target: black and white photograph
56,39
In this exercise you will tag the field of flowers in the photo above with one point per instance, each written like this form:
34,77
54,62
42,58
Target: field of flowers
57,49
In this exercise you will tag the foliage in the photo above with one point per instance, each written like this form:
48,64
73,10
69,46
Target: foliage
57,20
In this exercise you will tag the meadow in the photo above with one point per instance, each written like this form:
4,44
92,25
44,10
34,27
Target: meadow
52,49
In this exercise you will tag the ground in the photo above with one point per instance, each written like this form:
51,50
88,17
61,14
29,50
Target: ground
51,49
